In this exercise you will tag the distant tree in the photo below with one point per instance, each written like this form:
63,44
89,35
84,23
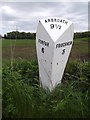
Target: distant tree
24,35
5,36
20,35
0,36
81,34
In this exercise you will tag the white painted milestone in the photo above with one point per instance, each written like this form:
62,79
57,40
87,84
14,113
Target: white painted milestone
54,39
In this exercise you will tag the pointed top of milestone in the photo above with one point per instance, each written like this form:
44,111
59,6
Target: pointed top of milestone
55,26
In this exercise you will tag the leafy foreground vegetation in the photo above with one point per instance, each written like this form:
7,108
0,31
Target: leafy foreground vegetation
24,98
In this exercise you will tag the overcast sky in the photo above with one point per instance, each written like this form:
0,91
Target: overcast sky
25,15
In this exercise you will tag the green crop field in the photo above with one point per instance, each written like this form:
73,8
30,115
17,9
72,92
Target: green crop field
22,95
80,49
18,49
26,49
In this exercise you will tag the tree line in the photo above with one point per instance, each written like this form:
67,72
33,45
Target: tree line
81,34
19,35
24,35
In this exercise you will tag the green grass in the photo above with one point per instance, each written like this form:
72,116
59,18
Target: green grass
80,39
0,78
80,49
22,49
24,98
26,49
18,42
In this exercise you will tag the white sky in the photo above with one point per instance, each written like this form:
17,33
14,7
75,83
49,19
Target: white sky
25,15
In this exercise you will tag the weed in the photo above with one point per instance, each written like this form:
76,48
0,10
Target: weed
24,98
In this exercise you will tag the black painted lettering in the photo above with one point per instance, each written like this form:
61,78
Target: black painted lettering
52,26
55,20
48,20
63,44
56,45
61,20
66,22
58,26
45,21
51,20
43,42
63,51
